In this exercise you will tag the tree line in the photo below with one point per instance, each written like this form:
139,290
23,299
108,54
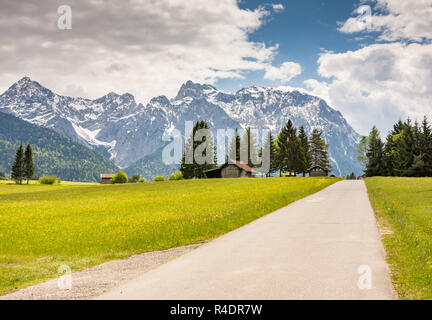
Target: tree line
407,151
292,151
23,166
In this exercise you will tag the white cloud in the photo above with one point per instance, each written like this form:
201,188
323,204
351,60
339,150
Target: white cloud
383,82
278,7
286,72
377,84
146,47
395,19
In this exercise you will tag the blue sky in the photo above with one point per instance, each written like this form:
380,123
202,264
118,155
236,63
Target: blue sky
303,30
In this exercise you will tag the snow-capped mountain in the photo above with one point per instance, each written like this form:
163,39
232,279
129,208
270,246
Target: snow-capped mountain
126,131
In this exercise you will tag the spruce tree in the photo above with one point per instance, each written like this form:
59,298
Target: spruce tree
18,166
426,147
374,154
361,152
391,150
28,163
405,147
318,151
234,148
288,149
196,150
305,155
249,147
270,147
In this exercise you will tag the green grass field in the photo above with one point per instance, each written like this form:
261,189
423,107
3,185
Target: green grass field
80,225
403,207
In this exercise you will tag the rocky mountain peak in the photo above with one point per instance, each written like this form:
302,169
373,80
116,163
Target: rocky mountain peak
194,90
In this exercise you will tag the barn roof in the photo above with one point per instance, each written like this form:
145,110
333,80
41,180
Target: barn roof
107,175
317,167
239,164
243,166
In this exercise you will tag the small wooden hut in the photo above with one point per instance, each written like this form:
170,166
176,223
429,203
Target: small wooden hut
318,171
106,178
235,169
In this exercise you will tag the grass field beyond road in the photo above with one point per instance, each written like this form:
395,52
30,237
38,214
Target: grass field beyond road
404,209
43,227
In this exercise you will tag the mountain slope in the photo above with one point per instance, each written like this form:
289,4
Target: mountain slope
151,166
127,132
53,153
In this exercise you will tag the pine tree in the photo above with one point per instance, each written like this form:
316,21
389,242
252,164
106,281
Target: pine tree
425,146
270,147
318,150
405,147
28,163
390,150
374,154
288,149
200,154
361,152
305,155
249,147
234,147
18,166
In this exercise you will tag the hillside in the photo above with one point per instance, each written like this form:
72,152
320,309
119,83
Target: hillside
53,153
151,166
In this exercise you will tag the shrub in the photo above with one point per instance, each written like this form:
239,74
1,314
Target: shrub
120,177
159,178
135,178
48,180
179,176
142,180
172,177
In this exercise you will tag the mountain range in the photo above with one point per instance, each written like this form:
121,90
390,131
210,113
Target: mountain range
128,132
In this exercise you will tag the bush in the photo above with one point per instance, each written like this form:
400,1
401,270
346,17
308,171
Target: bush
172,177
48,180
141,180
120,177
135,178
179,176
159,178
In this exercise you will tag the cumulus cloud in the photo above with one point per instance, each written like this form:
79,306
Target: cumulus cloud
146,47
278,7
377,84
394,19
286,72
391,79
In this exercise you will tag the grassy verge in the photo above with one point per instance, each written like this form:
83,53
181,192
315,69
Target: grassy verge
45,226
403,207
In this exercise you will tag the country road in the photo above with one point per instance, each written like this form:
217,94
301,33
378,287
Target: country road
325,246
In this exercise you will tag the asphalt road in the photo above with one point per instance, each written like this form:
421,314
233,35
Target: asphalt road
325,246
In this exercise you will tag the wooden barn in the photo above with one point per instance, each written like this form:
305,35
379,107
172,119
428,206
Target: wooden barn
317,171
106,178
235,169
